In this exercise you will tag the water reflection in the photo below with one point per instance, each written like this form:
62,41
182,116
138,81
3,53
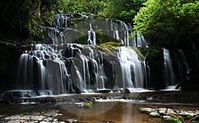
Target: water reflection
118,112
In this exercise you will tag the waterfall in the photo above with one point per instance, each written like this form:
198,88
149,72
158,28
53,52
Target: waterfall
70,61
182,66
169,75
67,31
87,67
91,36
23,70
131,66
140,41
81,68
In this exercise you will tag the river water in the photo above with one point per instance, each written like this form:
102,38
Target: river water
112,110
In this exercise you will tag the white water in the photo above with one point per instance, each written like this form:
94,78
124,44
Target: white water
131,66
169,77
67,67
91,36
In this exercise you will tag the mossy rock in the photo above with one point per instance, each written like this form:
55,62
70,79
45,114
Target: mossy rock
111,44
88,104
174,120
110,47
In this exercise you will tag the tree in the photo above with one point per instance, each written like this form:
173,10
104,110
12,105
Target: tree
188,33
124,10
168,23
84,6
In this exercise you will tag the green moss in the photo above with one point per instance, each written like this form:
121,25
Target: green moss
175,120
83,39
110,47
88,104
137,50
107,50
100,36
111,44
7,43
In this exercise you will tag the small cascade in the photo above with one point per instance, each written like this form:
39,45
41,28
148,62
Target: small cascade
131,68
42,68
185,67
91,36
23,70
67,30
169,75
182,66
140,41
87,66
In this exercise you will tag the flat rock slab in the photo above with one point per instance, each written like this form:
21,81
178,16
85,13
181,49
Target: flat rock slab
35,117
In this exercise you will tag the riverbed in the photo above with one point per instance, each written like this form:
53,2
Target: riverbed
106,108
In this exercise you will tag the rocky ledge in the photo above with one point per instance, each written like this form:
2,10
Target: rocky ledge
172,115
50,116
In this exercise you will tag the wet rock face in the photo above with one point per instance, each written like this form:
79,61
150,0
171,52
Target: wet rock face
110,73
186,67
156,66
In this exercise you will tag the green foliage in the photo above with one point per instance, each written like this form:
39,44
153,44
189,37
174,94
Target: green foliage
122,9
83,38
84,6
168,22
102,37
189,18
150,53
156,20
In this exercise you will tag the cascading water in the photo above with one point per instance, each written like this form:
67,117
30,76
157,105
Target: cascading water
91,36
132,69
182,66
63,65
140,41
169,75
